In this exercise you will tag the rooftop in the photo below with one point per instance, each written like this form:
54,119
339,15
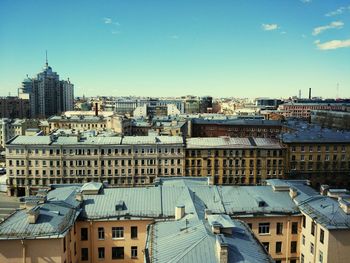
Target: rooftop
230,143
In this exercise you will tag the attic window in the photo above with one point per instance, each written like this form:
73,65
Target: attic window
260,202
120,206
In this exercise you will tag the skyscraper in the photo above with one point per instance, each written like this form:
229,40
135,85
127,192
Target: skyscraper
47,94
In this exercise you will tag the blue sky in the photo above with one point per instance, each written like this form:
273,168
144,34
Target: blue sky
241,48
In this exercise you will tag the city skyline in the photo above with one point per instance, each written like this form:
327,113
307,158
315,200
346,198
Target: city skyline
164,48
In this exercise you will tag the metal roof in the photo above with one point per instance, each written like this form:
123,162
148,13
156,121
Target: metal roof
231,143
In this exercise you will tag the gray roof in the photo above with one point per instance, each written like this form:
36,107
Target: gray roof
239,122
95,140
232,143
312,136
323,209
56,216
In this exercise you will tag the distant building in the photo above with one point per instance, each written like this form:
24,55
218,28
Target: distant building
302,110
14,107
331,119
236,128
47,94
266,103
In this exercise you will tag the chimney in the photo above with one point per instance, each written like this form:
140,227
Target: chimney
222,248
79,196
309,93
216,227
96,109
344,205
206,213
33,214
179,212
324,189
293,192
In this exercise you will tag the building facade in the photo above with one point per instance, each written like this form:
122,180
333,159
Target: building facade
14,107
235,160
236,128
36,161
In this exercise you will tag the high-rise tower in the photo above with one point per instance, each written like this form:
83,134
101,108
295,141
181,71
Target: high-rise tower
48,95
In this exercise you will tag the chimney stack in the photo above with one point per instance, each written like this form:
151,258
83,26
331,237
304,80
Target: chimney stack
309,93
179,212
222,248
96,109
33,214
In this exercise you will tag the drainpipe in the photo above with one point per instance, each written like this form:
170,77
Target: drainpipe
315,241
23,251
287,243
91,242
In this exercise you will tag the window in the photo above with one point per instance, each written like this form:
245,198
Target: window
303,240
304,221
293,247
313,226
250,225
322,236
302,259
117,232
294,227
84,234
266,245
101,253
264,228
312,248
320,257
101,233
64,244
279,229
278,247
117,252
84,254
133,252
134,232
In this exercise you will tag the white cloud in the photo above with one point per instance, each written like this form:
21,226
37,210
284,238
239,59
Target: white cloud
269,27
333,44
107,20
320,29
339,11
306,1
283,32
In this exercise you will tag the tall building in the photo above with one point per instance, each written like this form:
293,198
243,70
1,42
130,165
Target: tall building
47,94
14,107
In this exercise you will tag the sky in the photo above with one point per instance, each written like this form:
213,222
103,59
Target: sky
223,48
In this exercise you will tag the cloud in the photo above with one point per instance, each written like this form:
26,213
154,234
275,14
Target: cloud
283,32
269,27
306,1
333,44
339,11
320,29
115,32
107,20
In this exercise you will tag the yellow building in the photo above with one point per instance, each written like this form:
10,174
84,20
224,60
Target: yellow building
321,156
235,160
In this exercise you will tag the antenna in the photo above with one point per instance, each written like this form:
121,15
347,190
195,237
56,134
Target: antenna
47,64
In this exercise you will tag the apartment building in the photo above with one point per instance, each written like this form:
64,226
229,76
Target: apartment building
116,123
324,235
235,160
319,155
179,217
303,110
236,128
10,128
14,107
39,161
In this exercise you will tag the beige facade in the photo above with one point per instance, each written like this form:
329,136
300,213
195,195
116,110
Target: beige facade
116,123
279,234
319,244
111,240
115,160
